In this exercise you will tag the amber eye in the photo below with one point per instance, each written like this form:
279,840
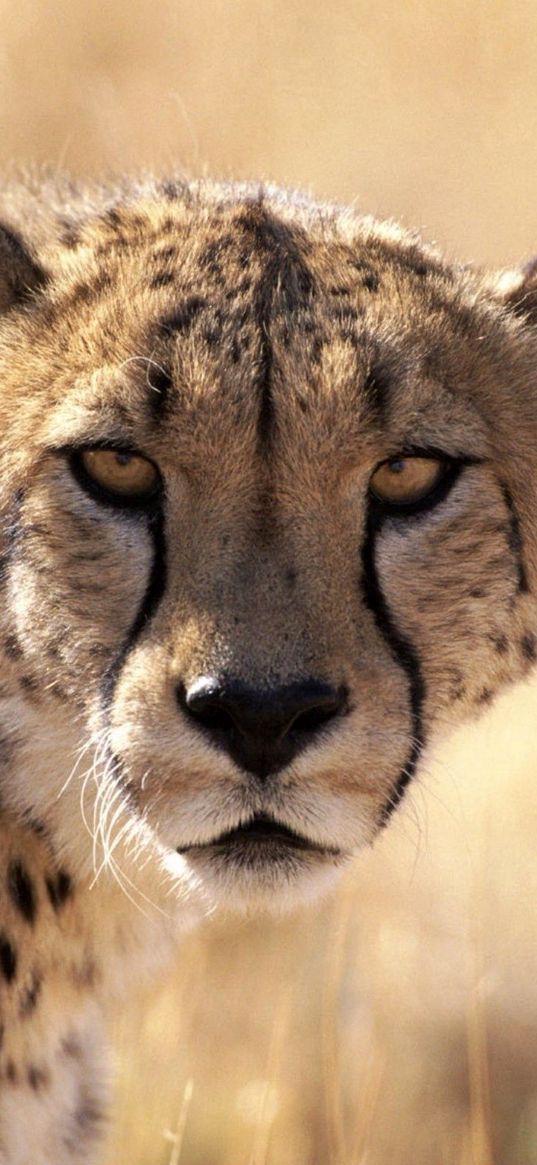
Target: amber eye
119,475
406,481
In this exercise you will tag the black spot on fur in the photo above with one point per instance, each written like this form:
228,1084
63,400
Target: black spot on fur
70,236
21,891
113,217
59,889
183,318
37,827
417,266
171,191
485,696
8,959
11,1072
12,647
212,337
89,1117
370,281
86,1121
71,1047
56,690
38,1078
501,644
81,293
528,644
343,314
162,279
165,254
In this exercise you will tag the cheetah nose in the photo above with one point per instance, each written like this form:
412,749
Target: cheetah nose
261,729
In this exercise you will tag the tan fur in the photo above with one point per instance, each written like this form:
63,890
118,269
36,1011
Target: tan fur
267,353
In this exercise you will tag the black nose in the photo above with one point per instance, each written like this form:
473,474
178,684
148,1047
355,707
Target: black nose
261,729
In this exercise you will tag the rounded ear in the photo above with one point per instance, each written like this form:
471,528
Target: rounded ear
20,274
517,290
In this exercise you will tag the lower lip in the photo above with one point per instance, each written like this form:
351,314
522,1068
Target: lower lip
261,840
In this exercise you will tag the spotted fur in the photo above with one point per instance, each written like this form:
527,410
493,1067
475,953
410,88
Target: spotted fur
267,354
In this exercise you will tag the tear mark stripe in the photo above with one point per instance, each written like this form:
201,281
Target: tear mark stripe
516,543
404,654
154,591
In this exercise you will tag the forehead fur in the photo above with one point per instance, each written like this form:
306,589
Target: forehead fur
289,316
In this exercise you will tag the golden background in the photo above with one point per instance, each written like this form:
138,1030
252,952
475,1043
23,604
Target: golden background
396,1024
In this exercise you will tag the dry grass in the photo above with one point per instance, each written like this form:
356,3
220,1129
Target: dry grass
396,1026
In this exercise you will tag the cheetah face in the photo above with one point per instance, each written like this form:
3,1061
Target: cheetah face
269,526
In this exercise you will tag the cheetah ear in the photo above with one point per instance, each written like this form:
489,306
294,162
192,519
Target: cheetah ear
20,274
517,290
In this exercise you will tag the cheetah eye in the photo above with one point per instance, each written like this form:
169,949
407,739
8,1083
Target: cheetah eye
407,481
117,476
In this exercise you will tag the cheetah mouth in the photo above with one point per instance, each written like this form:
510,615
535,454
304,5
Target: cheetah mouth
262,833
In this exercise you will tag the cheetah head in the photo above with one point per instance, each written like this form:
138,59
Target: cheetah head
269,525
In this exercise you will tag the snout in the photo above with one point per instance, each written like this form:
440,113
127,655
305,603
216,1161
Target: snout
261,729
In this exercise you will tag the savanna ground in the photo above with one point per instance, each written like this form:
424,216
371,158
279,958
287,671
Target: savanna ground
397,1024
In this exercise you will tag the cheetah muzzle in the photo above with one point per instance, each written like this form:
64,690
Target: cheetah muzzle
268,526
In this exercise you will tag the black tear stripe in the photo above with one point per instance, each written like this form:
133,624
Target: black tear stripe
515,541
153,594
405,655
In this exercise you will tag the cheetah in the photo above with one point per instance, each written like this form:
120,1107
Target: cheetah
268,525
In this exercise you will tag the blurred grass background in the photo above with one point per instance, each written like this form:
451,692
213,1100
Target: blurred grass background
396,1024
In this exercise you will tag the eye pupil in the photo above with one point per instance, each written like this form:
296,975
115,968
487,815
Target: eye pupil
123,458
398,466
